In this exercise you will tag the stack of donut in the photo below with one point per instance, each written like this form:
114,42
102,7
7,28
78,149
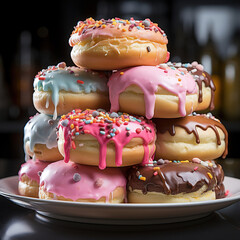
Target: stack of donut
121,125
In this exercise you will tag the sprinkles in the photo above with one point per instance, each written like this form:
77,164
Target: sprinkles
76,177
121,24
109,123
210,175
104,127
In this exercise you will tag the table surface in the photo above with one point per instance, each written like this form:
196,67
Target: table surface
20,223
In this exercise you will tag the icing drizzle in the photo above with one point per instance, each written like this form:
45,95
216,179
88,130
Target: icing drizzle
200,76
190,124
105,127
148,78
174,177
41,129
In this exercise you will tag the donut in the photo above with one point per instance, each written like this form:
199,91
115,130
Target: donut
198,135
75,182
40,138
59,89
29,177
174,182
153,91
206,87
117,43
103,139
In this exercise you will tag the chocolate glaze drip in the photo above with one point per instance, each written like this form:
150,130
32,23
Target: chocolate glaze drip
200,77
220,191
174,178
219,174
190,124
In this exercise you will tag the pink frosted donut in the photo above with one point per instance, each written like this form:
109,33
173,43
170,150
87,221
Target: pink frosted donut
153,91
75,182
99,138
117,43
29,177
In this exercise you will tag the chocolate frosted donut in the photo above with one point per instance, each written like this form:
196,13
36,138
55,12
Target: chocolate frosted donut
168,182
198,135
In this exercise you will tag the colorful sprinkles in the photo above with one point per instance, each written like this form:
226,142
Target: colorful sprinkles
90,23
105,121
105,126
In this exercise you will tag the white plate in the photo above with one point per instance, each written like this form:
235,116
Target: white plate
104,213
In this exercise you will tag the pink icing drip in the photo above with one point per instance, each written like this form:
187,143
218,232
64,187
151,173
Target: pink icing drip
148,78
120,139
32,168
57,178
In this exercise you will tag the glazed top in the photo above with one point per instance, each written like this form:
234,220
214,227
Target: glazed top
117,28
105,127
200,76
70,79
148,78
174,177
41,129
75,181
191,123
33,169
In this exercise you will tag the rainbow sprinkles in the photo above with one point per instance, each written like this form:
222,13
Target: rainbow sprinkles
105,127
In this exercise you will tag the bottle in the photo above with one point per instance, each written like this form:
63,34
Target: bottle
231,83
212,64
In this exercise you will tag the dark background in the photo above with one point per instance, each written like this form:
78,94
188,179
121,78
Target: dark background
35,35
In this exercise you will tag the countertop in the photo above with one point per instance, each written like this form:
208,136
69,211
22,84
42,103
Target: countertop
20,223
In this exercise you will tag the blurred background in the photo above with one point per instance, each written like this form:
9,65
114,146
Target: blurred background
35,36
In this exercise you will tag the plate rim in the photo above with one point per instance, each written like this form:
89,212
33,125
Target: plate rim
234,198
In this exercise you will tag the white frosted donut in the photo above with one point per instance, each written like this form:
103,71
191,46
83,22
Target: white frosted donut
40,138
59,89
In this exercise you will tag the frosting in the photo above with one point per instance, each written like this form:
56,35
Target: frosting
148,78
190,124
117,27
41,129
74,181
176,177
105,127
32,169
200,76
70,79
